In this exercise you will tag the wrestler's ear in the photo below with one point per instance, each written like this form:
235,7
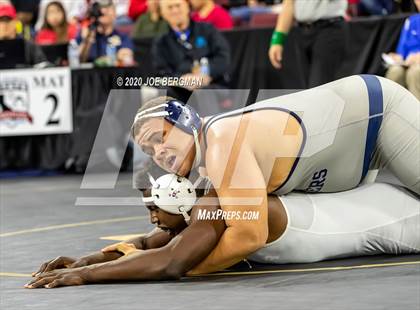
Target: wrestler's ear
147,192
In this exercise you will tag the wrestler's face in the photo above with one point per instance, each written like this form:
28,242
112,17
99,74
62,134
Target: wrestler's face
171,148
170,223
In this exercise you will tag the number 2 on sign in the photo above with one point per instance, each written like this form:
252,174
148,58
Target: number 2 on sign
51,119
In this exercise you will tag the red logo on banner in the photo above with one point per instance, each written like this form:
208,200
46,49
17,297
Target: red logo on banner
14,116
14,102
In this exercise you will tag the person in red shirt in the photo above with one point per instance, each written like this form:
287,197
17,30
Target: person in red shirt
137,8
209,12
56,29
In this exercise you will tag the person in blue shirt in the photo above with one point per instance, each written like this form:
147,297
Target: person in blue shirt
105,44
406,70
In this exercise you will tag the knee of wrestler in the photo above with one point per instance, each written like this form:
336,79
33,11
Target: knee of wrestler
413,74
396,74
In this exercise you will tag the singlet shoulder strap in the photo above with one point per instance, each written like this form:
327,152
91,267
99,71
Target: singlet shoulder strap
210,122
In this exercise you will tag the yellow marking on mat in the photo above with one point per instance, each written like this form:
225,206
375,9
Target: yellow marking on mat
121,237
262,272
15,275
338,268
71,225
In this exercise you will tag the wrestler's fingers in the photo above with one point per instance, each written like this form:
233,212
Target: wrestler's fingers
55,283
44,275
40,270
58,263
33,281
66,280
40,282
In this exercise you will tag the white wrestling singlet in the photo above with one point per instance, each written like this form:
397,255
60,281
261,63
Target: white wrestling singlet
350,126
372,219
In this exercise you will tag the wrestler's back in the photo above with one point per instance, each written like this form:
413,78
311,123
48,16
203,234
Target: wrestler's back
325,153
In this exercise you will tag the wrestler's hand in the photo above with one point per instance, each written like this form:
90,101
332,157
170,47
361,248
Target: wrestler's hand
56,278
122,247
59,263
275,53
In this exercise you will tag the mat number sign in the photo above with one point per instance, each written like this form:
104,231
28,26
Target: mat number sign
35,102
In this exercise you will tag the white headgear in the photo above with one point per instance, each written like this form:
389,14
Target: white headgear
173,194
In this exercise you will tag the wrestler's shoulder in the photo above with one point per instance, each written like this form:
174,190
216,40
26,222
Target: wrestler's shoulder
220,131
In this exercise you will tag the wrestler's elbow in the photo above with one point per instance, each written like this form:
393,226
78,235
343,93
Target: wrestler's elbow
255,242
172,270
252,239
172,273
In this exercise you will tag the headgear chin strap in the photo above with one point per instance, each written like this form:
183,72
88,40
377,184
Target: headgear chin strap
173,194
180,115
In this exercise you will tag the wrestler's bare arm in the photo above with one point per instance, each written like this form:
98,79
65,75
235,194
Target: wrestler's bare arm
154,239
171,261
240,182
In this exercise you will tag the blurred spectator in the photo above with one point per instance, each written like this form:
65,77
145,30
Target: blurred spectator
405,6
191,50
76,11
150,23
136,8
26,10
8,20
245,12
27,14
406,70
320,37
209,12
353,7
101,42
56,29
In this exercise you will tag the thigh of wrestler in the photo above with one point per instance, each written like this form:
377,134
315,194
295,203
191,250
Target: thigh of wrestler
398,147
372,219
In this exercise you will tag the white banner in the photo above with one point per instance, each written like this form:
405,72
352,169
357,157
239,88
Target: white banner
35,102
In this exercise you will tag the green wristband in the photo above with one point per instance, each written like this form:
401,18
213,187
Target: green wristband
278,38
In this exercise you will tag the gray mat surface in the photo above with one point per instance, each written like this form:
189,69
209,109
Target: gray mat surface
28,204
